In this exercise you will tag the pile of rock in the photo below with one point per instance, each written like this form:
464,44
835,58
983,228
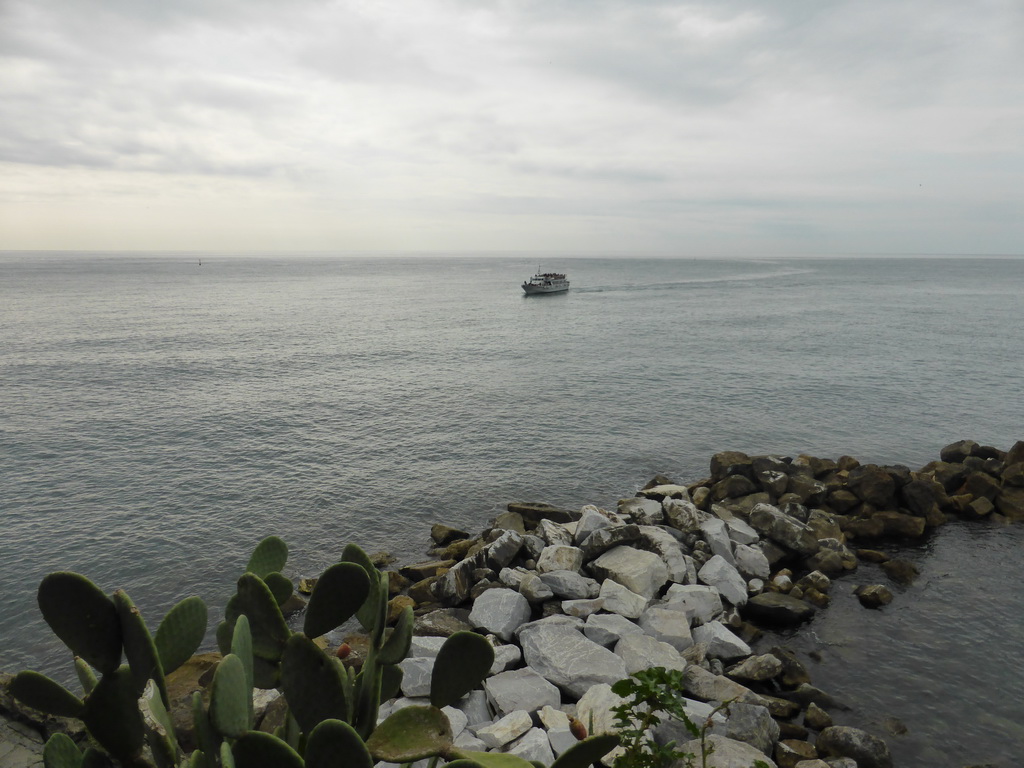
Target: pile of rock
683,577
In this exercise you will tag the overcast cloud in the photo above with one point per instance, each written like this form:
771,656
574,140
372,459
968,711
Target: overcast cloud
717,127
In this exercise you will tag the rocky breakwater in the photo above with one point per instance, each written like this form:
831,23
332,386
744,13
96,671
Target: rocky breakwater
686,577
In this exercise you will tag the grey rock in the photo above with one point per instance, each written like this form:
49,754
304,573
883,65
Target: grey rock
642,651
618,599
582,608
792,534
533,746
639,571
642,511
667,625
554,533
503,550
751,562
590,520
665,546
729,753
608,628
721,642
425,646
756,668
533,545
715,534
513,577
520,689
535,589
700,602
505,657
704,685
718,573
557,620
465,740
569,585
603,539
683,515
595,706
457,719
475,707
569,660
754,725
558,557
741,532
500,611
510,727
416,676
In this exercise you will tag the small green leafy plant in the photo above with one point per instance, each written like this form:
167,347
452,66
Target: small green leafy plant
649,696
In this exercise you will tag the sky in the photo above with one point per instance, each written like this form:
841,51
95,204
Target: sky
585,127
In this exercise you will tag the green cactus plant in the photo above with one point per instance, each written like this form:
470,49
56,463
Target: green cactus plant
331,710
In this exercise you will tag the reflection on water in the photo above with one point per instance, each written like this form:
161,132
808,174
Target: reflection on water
944,659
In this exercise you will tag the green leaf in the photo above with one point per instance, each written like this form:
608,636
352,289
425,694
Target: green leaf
40,692
269,630
338,594
390,681
410,734
270,555
461,665
369,612
83,617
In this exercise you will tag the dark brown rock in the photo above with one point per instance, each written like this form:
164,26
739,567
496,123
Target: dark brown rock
900,524
865,528
901,571
843,500
843,741
420,571
872,484
794,673
789,752
443,622
731,487
727,463
873,595
445,534
872,556
955,453
534,512
980,484
1010,502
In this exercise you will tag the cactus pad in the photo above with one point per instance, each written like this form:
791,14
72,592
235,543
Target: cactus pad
490,759
333,738
180,633
397,646
410,734
83,617
269,630
229,697
262,750
338,594
312,684
112,715
46,695
269,556
138,645
587,752
461,665
61,752
281,586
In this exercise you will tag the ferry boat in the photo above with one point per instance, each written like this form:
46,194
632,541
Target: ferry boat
546,282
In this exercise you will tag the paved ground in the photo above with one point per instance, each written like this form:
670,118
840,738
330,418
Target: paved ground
20,746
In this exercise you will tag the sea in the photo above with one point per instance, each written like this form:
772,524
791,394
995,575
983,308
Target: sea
160,413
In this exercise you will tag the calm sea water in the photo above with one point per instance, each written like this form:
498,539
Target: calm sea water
160,417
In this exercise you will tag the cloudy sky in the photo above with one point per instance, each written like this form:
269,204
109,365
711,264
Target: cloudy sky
716,127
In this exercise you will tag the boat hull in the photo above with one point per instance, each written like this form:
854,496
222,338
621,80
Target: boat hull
531,290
